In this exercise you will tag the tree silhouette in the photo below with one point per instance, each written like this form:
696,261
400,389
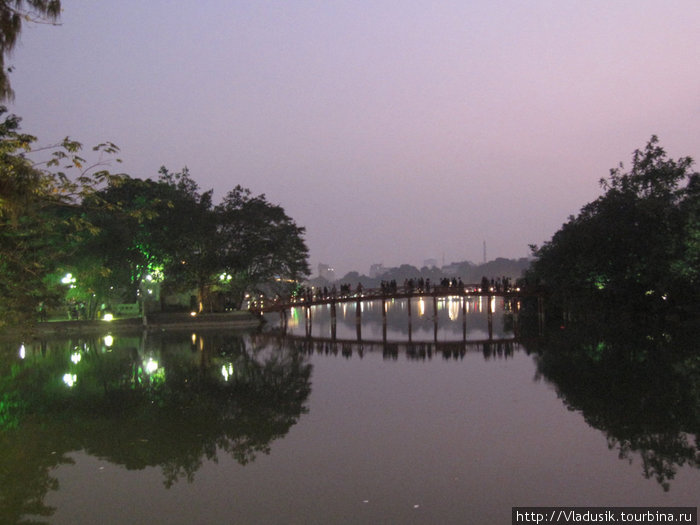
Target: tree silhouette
13,13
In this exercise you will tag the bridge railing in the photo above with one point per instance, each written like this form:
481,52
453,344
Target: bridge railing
317,296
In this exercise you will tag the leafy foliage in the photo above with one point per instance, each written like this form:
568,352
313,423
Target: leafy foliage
171,225
259,243
39,224
636,245
13,13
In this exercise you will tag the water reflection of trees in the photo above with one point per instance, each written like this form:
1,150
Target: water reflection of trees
641,388
208,394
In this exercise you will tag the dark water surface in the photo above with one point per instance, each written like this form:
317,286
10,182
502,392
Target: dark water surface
227,427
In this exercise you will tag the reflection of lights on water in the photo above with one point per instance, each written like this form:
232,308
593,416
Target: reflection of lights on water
22,351
109,341
293,317
227,371
194,338
75,357
493,303
70,379
421,307
151,365
453,308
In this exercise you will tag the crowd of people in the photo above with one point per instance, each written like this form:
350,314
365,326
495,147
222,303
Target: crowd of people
391,287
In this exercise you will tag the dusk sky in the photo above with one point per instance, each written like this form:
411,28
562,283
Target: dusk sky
394,131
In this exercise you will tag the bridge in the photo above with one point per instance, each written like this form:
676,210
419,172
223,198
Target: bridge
511,296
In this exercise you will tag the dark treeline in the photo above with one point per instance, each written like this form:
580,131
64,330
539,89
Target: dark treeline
75,236
622,287
634,251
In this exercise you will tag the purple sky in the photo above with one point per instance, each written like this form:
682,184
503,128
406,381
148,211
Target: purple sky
394,131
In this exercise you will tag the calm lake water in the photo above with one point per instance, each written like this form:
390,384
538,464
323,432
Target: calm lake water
218,426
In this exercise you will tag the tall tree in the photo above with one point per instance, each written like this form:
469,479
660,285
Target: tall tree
261,244
124,247
40,223
162,229
13,13
187,235
633,245
245,244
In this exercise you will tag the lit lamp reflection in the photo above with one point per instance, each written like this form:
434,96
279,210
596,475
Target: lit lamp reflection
227,371
452,308
151,365
70,379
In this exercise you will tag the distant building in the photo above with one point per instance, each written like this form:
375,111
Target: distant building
376,270
326,272
430,263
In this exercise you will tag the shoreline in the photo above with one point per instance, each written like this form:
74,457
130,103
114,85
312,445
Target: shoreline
156,321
